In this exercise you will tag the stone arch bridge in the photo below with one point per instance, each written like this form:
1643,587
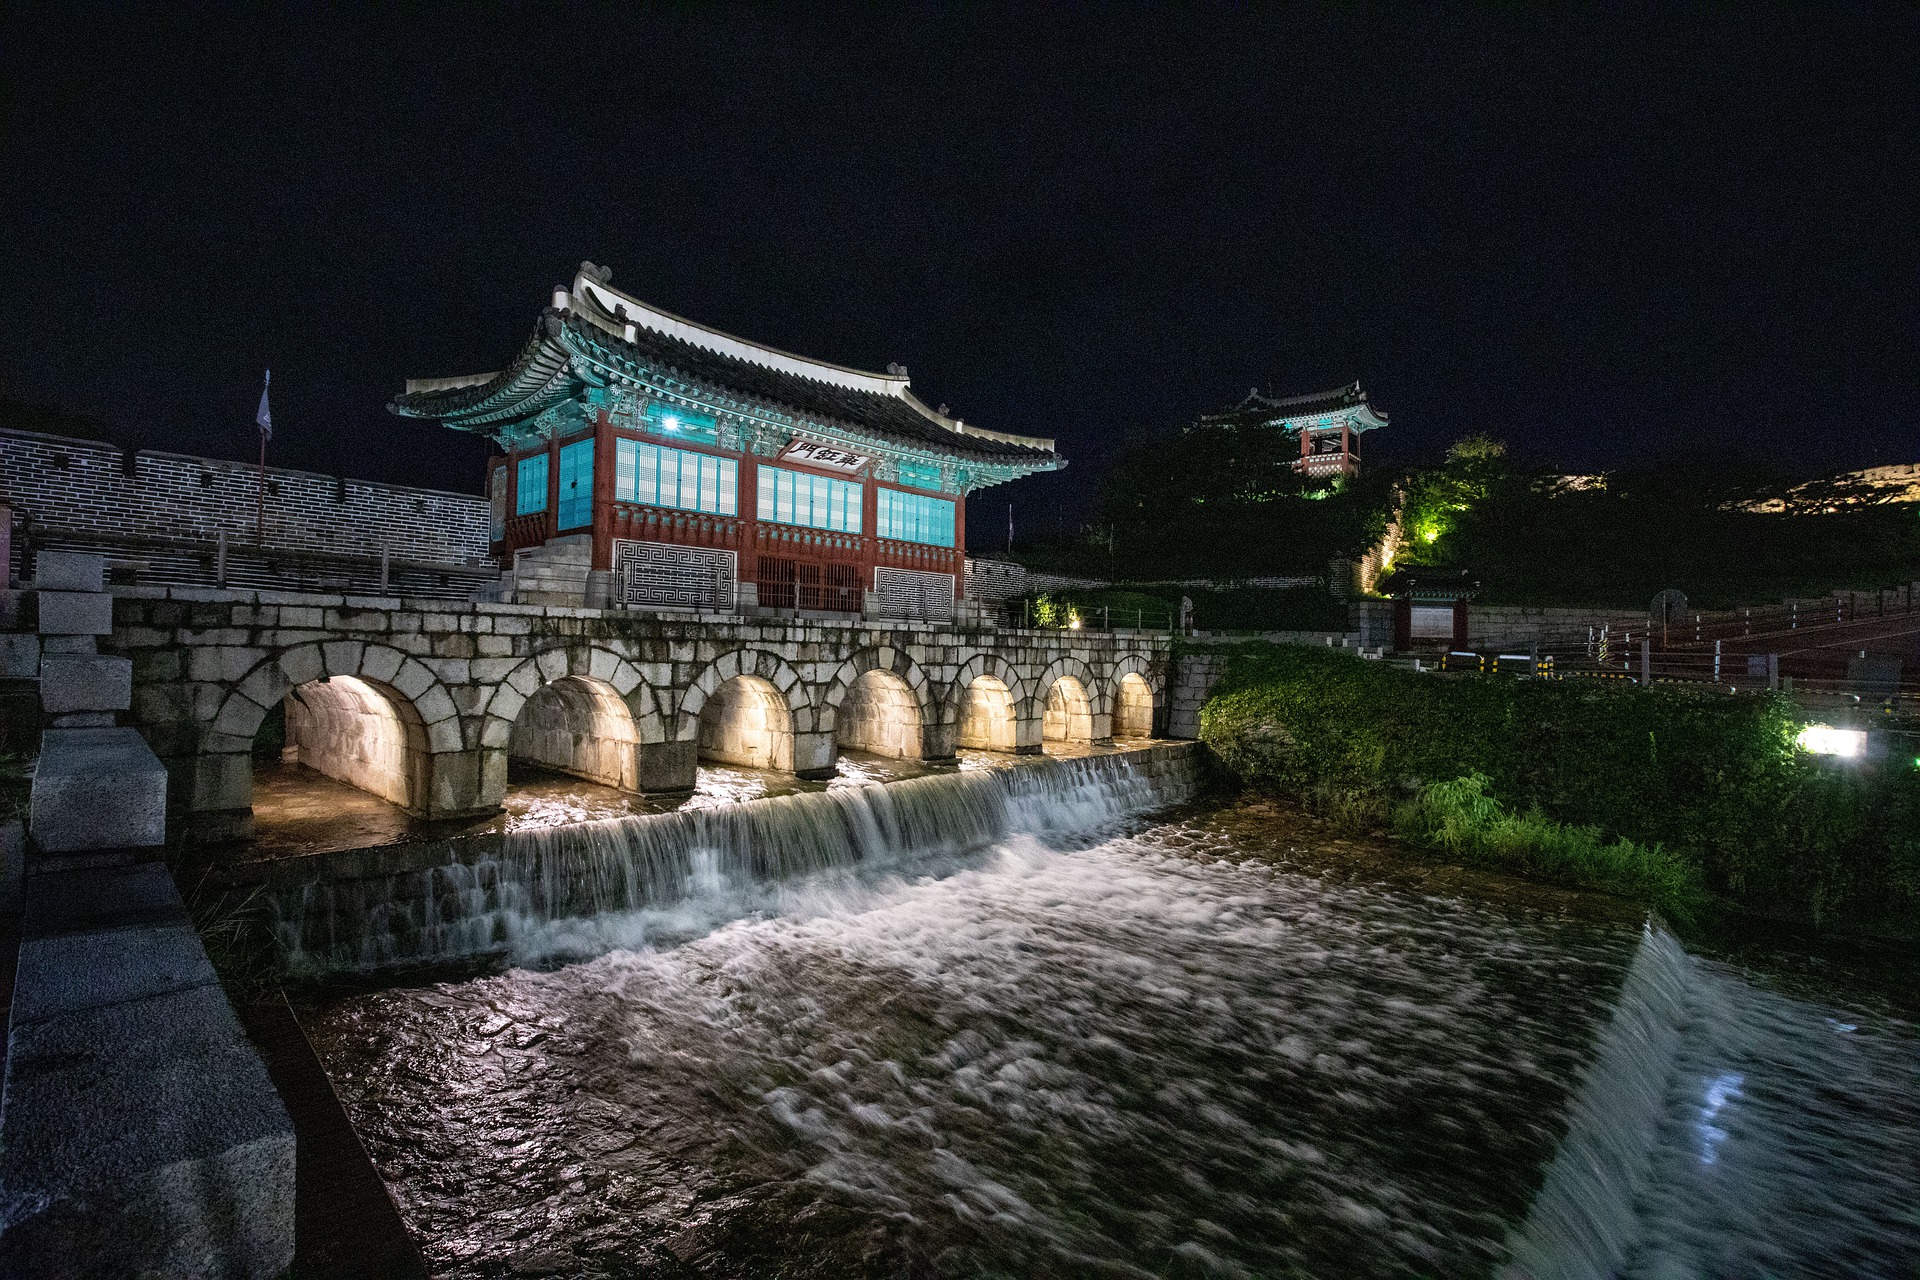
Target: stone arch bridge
423,701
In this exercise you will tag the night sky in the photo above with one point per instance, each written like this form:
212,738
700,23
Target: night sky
1598,236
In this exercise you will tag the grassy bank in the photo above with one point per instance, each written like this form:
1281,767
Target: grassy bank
1668,795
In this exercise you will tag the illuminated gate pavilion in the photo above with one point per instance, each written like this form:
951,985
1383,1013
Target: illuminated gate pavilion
657,463
1328,425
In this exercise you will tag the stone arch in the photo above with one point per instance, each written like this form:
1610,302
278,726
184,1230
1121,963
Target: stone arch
441,778
361,733
748,722
580,726
877,685
587,667
732,677
586,662
1136,693
1071,703
759,663
988,707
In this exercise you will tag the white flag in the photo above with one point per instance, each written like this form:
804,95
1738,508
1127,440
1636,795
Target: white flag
265,417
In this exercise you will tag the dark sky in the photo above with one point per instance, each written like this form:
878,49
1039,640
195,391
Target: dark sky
1598,235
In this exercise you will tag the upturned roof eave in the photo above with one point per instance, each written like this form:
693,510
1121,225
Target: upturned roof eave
544,375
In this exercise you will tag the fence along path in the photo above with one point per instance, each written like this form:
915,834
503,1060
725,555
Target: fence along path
1859,643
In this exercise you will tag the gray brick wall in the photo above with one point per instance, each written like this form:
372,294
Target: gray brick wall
1194,675
83,486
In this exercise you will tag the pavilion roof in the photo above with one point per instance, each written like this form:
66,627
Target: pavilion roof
1349,401
585,344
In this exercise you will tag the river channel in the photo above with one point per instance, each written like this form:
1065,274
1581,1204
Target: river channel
1054,1028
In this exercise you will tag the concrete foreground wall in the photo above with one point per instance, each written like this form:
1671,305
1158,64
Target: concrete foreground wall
208,665
141,1134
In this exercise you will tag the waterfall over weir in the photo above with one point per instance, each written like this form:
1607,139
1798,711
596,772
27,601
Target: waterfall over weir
1721,1129
953,1027
574,891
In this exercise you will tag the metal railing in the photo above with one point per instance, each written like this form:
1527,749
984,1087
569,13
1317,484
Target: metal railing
1104,618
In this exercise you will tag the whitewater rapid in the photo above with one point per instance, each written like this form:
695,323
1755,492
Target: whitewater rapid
1139,1050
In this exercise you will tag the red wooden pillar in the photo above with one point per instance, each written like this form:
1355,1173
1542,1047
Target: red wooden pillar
603,494
869,529
747,543
1306,447
959,545
1346,447
1460,627
1402,625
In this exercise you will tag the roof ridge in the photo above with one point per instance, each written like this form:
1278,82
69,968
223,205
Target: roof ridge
618,309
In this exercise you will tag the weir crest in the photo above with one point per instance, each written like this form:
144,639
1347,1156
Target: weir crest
570,892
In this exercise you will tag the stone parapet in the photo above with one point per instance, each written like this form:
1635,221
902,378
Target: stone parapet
97,788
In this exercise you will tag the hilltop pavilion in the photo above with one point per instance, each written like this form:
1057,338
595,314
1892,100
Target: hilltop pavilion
681,467
1328,425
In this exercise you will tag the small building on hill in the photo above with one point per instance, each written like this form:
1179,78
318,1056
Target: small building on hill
1328,425
1430,607
652,461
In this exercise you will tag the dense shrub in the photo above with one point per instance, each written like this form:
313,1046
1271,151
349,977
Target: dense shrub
1464,820
1712,777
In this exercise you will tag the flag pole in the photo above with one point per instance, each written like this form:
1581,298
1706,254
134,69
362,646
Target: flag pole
264,421
260,500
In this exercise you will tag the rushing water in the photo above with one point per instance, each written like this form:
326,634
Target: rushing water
1006,1030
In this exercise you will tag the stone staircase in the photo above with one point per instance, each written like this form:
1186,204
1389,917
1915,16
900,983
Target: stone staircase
558,573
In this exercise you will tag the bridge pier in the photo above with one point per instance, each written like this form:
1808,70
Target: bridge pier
667,767
815,755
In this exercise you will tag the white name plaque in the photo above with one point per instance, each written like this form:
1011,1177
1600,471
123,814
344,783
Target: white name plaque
824,456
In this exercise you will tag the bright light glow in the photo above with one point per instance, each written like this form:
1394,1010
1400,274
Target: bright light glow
1429,535
1075,624
670,422
1720,1091
1823,740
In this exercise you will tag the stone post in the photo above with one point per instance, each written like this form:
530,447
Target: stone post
98,784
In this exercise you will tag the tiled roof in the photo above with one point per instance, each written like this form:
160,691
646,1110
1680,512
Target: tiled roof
540,377
1310,405
894,417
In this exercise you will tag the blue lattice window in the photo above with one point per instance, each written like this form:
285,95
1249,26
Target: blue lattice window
813,502
677,478
530,486
916,517
576,484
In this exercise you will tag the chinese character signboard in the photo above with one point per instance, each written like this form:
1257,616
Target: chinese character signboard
825,456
